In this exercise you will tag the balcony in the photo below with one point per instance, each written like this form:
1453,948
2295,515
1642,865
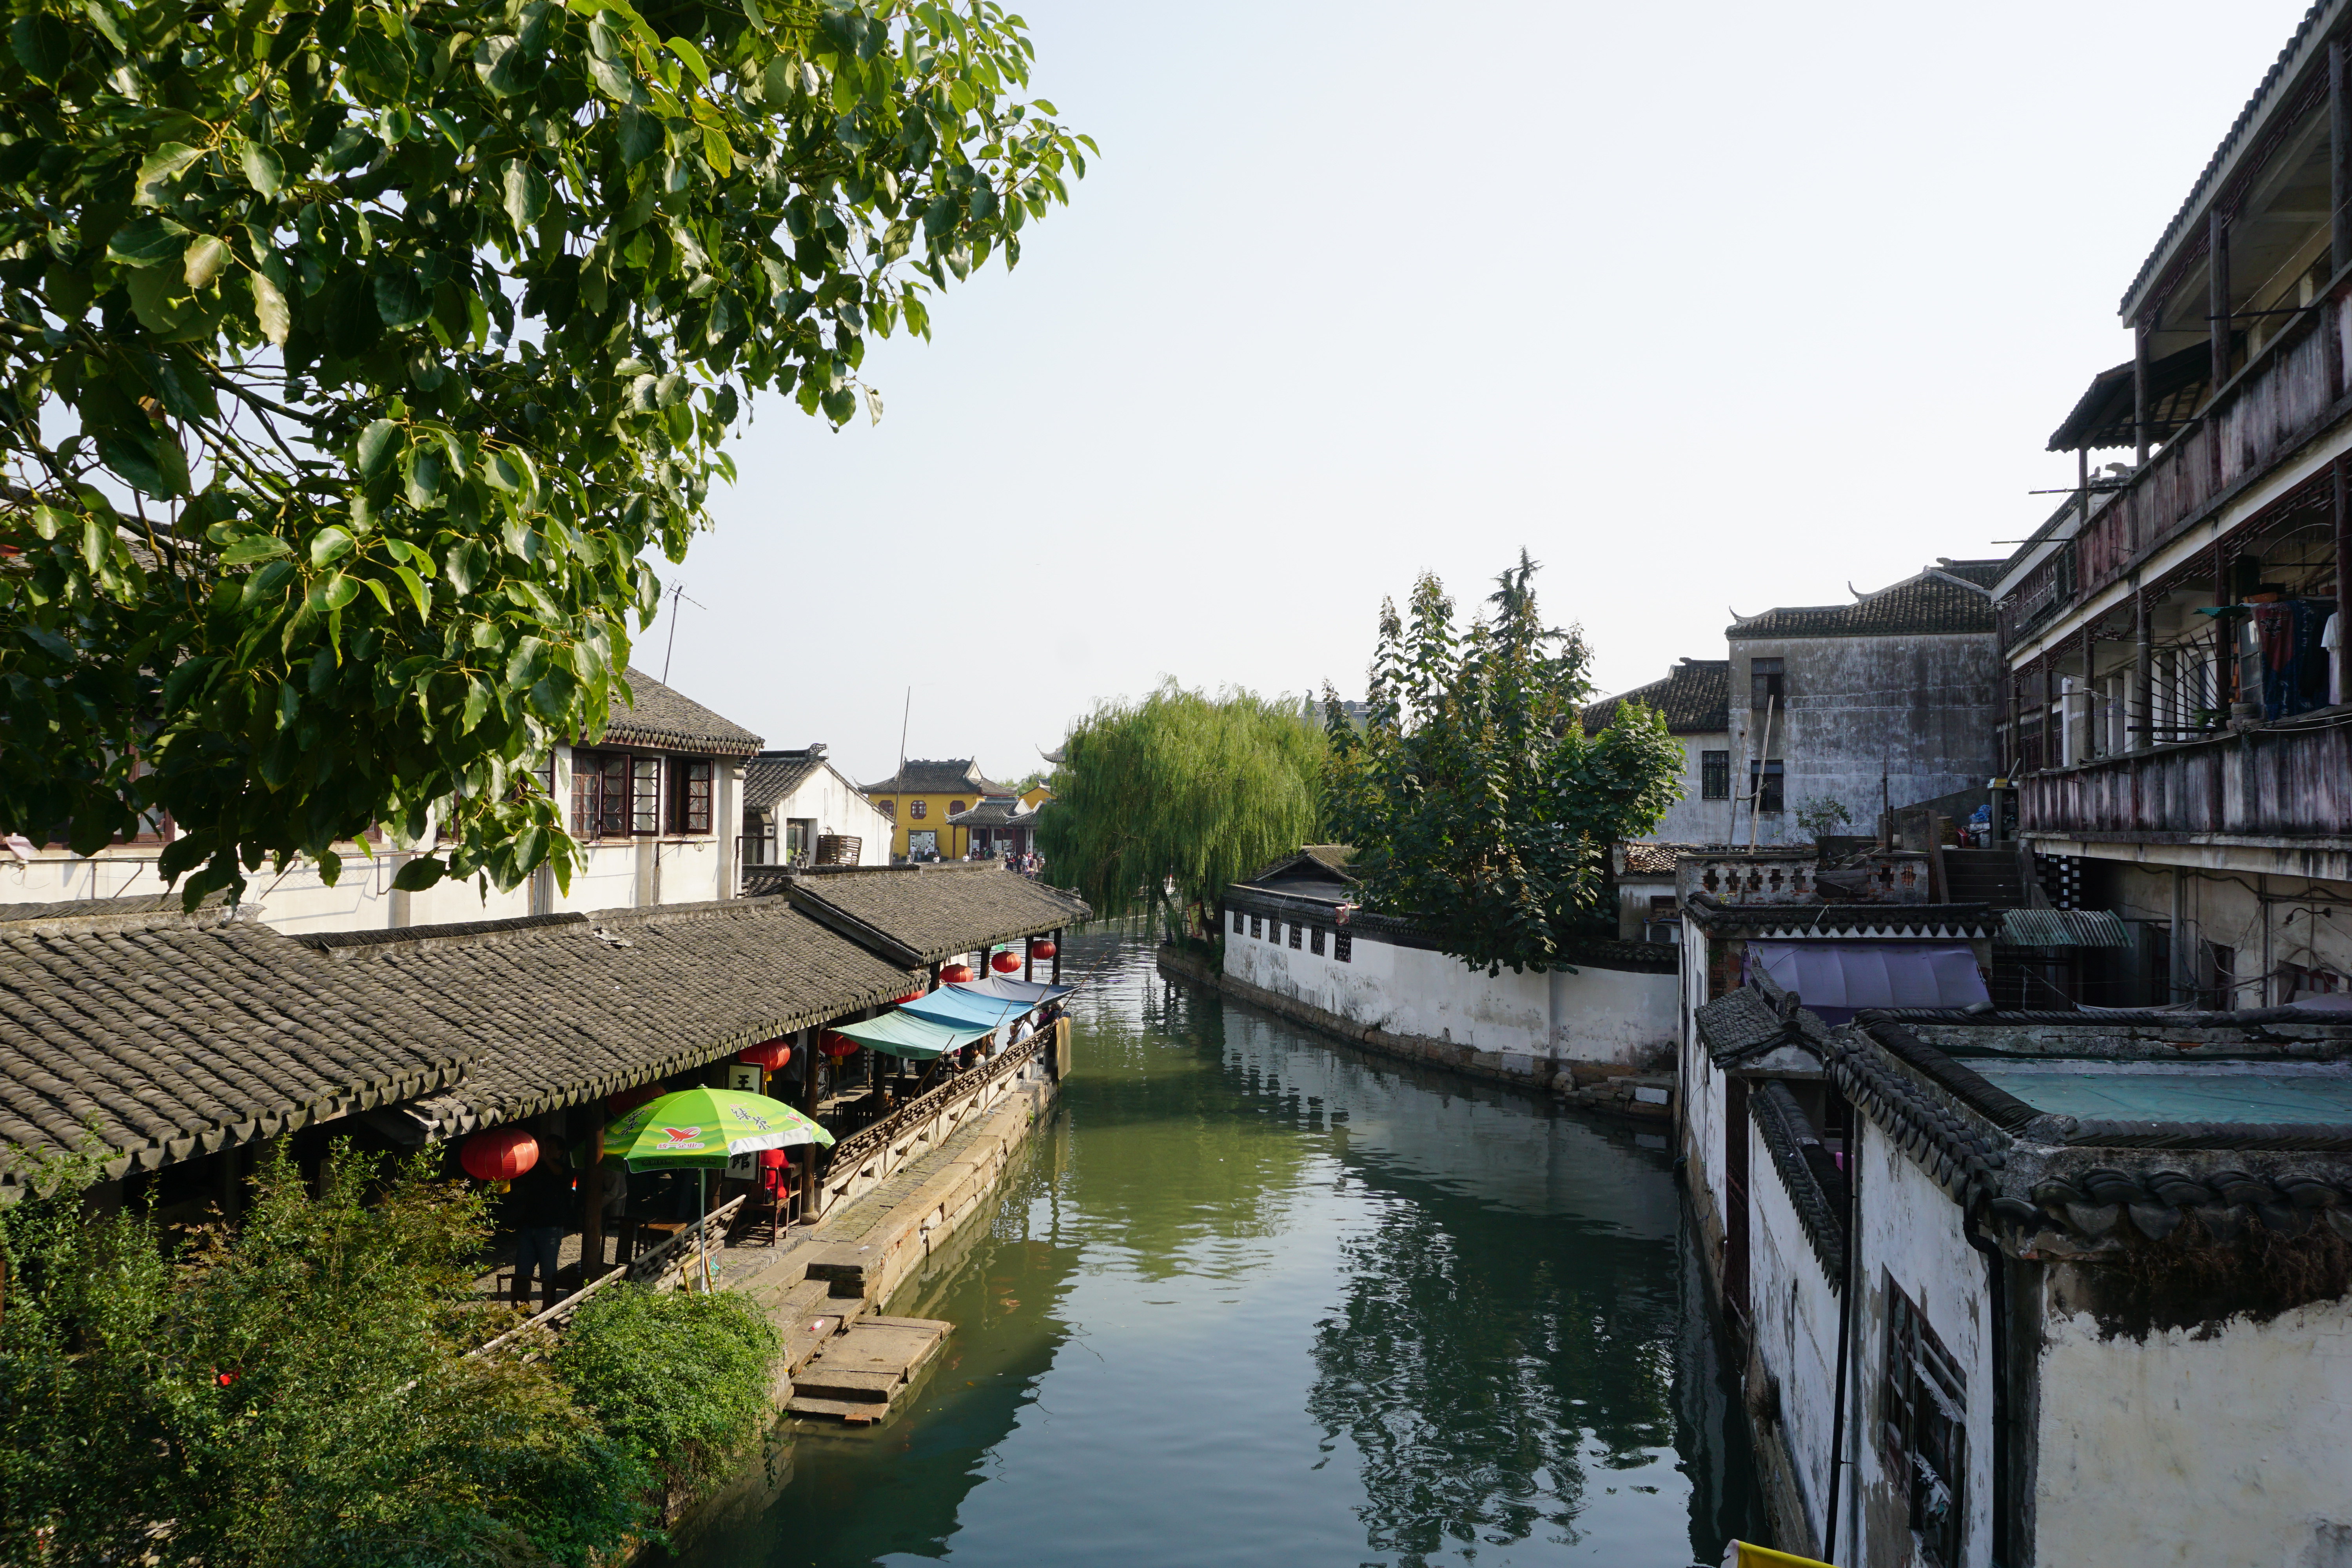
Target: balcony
2287,392
2286,786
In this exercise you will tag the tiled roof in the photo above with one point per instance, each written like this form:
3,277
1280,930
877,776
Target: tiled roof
570,1008
1653,860
997,811
175,1036
1695,697
1315,860
2272,83
943,777
663,719
772,775
1928,604
930,912
1742,1024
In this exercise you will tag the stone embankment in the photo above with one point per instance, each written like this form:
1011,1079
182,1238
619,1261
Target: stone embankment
825,1285
1617,1091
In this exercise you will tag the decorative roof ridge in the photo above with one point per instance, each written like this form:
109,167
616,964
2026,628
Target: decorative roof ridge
1996,1105
452,930
1782,1124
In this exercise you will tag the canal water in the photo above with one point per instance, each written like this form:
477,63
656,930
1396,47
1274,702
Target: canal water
1255,1298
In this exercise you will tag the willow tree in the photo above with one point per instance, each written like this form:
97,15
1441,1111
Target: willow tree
357,354
1182,787
1476,803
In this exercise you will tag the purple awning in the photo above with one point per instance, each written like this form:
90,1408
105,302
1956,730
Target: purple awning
1838,979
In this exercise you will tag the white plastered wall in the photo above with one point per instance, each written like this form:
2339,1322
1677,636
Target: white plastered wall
2198,1445
1519,1020
1795,1317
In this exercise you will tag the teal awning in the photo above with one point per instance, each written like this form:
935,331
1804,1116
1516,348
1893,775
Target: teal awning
901,1034
2063,928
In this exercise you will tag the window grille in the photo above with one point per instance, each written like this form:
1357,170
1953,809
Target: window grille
919,809
1274,931
1714,775
1923,1426
644,795
1256,922
690,811
955,808
600,794
1315,942
1294,933
1238,923
1343,946
888,808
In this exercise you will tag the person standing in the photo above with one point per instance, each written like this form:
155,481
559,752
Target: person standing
542,1205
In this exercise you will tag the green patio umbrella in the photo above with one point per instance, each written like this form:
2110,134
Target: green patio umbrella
701,1130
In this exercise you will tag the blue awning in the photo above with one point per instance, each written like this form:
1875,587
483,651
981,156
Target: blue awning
1836,980
961,1009
900,1034
1029,992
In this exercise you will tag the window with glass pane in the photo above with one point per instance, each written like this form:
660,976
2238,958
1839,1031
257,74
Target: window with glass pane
1714,775
600,794
644,795
692,812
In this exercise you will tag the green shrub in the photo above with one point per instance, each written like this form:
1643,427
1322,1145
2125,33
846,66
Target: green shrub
681,1380
296,1395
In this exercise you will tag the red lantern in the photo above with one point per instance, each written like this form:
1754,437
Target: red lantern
910,996
837,1045
1005,962
1045,949
956,974
770,1054
628,1100
499,1156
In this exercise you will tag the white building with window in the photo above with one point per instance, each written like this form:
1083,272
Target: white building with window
653,805
1695,696
801,810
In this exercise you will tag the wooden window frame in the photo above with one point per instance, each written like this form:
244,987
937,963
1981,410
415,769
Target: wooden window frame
916,810
600,795
694,792
1923,1429
1714,775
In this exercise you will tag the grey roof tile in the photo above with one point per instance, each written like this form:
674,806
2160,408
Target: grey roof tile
931,912
1928,604
772,775
919,776
666,720
1695,697
171,1036
570,1008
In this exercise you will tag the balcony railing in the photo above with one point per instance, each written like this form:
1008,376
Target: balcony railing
2280,782
2279,401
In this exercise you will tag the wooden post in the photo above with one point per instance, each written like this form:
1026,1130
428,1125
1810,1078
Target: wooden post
1028,959
2342,673
2144,673
592,1207
232,1186
1057,955
2339,160
2217,291
807,1049
2139,389
2090,655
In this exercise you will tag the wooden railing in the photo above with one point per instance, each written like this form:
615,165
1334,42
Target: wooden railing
865,1158
680,1251
2277,782
2279,401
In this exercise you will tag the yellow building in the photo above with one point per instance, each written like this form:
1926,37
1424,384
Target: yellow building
1035,795
920,797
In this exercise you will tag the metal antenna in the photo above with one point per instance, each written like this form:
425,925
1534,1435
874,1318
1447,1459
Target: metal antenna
904,715
676,593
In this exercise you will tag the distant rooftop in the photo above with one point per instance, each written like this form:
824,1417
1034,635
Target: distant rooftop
1949,597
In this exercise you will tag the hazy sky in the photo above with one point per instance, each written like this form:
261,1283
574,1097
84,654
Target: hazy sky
1708,305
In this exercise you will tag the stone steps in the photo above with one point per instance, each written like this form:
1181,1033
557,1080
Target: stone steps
860,1375
1637,1097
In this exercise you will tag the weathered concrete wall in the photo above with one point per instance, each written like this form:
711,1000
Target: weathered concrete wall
1693,819
1530,1027
2197,1445
1922,708
1910,1238
1795,1322
2267,934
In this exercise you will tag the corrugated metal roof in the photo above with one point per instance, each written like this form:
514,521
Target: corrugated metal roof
2063,928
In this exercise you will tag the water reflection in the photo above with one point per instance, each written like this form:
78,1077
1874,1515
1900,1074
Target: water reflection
1254,1299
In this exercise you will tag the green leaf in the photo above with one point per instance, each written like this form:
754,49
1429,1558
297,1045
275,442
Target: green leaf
162,167
204,260
254,547
148,241
263,171
378,443
419,874
686,51
330,545
269,311
401,297
42,45
417,591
